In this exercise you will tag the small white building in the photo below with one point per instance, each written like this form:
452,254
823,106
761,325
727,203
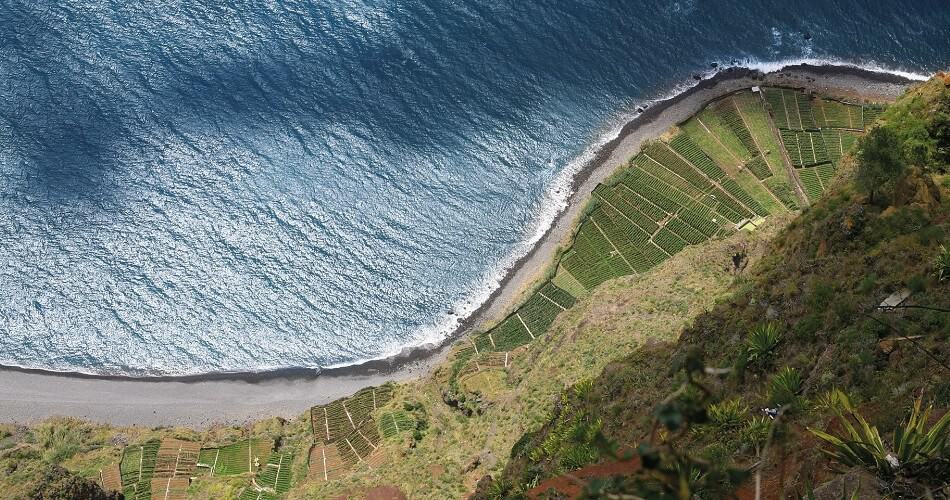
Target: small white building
894,300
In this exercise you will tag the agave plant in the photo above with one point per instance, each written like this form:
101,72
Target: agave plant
754,433
913,445
727,414
942,264
785,387
761,343
833,400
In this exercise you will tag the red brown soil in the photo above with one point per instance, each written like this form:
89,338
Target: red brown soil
572,484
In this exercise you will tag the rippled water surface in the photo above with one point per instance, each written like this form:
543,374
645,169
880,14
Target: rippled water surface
202,186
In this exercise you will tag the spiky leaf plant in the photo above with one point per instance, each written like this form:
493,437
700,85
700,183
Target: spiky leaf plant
727,415
785,387
754,433
761,343
942,264
913,445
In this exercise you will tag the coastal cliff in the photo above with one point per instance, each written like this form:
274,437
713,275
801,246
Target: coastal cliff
631,365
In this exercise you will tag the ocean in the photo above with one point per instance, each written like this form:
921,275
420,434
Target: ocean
200,186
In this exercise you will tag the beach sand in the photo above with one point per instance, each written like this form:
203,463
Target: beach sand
200,401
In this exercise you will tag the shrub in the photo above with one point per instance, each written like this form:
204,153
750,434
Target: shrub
867,283
583,388
784,387
579,456
727,415
917,283
880,160
754,433
60,438
833,400
915,448
761,343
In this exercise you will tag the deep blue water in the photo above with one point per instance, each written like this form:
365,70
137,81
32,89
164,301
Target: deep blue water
194,186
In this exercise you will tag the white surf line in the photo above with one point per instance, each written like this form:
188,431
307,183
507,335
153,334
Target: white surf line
525,325
348,417
551,301
612,244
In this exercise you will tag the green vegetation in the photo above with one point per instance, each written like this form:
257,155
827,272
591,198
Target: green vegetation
942,264
137,466
820,286
242,457
761,344
660,333
880,160
914,450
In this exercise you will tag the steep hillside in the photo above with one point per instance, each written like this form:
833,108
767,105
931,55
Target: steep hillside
801,335
744,217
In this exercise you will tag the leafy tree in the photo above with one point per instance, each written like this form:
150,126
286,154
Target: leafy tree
880,160
940,131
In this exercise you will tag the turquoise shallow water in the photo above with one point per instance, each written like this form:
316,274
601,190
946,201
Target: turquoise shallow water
233,186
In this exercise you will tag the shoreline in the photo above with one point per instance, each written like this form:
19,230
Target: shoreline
193,400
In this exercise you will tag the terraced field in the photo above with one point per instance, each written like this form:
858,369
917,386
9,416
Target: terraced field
746,149
241,457
275,475
725,166
394,422
735,162
346,432
137,467
170,488
817,132
176,458
110,478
